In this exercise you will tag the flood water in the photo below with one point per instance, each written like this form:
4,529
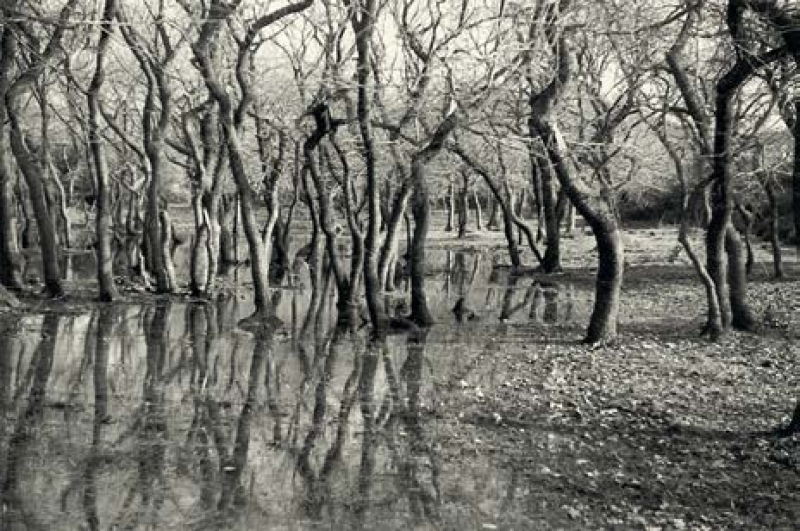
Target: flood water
167,415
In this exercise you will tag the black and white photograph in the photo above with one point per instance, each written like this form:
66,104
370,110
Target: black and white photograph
395,265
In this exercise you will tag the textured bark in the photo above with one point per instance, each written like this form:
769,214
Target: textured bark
478,211
796,176
741,315
107,290
774,231
34,177
600,217
420,208
390,243
10,258
363,22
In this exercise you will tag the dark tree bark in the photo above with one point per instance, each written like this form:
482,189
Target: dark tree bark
420,208
30,167
232,118
774,231
362,19
10,259
107,290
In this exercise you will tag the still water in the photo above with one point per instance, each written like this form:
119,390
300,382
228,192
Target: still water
167,415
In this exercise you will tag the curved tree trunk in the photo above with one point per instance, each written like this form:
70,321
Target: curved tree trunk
107,291
34,178
363,22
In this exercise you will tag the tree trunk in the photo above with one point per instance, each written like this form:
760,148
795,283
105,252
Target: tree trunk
420,208
107,291
601,218
741,315
10,258
492,223
363,22
450,203
34,178
478,211
551,261
774,231
390,242
796,176
463,207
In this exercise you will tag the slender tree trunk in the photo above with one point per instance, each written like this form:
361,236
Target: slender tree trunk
492,223
363,21
774,231
107,291
478,211
796,176
390,242
463,208
450,203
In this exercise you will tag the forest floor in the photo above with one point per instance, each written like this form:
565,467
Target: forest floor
662,430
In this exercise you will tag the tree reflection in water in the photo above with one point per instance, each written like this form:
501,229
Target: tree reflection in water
170,416
15,509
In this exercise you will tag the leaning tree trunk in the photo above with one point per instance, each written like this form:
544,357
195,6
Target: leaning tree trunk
601,218
34,177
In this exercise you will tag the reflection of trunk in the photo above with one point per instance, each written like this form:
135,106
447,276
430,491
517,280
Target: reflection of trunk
102,347
12,516
233,493
774,230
